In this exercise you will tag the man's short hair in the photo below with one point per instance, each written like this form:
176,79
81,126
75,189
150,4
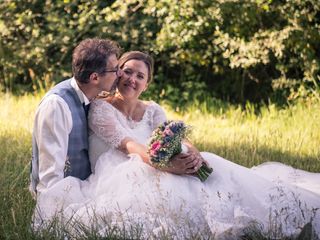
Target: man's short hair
91,55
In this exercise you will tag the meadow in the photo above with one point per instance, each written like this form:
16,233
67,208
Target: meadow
248,137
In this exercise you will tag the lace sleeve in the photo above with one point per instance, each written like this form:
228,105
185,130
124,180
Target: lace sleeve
159,115
104,123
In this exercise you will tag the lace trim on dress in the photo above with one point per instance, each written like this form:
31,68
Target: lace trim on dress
110,124
148,116
103,122
158,117
154,115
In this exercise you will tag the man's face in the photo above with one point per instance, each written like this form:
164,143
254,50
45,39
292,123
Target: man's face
108,80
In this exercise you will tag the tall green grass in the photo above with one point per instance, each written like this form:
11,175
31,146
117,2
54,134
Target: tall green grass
16,118
246,137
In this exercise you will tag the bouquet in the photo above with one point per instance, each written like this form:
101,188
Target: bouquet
165,142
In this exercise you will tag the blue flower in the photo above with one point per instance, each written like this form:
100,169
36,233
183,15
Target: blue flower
167,139
177,127
161,154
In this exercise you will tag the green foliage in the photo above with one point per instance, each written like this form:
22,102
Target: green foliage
246,50
38,37
256,50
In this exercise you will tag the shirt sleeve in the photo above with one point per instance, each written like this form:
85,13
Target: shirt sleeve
53,124
104,123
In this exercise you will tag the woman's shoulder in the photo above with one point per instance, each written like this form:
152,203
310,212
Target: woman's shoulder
101,103
153,108
150,104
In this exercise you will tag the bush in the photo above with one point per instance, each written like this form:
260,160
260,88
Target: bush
252,50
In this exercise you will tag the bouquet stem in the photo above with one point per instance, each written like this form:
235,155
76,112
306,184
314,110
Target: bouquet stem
204,172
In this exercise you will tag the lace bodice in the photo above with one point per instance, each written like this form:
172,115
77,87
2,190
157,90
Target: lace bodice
108,126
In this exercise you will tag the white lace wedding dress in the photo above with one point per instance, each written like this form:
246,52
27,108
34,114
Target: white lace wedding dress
124,191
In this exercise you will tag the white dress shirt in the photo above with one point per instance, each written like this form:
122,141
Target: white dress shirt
53,124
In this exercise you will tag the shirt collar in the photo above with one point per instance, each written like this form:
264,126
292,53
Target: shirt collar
83,98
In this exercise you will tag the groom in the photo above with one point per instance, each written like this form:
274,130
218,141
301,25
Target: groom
60,137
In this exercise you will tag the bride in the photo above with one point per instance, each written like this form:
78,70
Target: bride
125,190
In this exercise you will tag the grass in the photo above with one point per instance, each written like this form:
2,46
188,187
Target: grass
290,136
16,203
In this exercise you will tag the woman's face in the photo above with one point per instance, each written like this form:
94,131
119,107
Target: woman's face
134,79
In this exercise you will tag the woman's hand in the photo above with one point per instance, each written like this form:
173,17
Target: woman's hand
200,161
185,163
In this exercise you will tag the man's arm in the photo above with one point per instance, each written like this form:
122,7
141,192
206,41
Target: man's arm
53,123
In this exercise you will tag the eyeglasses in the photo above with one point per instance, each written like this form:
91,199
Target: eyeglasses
116,70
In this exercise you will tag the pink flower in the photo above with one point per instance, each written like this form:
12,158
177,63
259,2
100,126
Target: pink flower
155,146
153,153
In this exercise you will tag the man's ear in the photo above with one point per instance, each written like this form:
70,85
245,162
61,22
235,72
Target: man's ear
93,77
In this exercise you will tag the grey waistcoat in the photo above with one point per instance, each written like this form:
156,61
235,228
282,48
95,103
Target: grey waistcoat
77,163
